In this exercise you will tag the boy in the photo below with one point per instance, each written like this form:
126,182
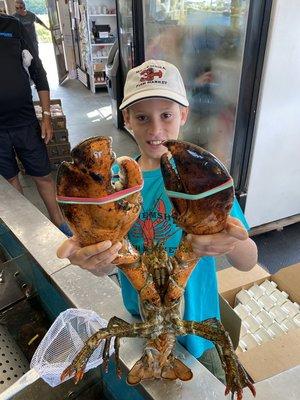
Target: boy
154,108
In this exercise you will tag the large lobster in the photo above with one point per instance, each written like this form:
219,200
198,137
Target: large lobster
98,208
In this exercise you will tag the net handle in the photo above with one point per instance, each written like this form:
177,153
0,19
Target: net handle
25,380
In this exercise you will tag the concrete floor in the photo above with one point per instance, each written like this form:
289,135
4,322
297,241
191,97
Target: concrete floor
89,114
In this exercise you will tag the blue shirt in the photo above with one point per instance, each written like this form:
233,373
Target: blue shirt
155,223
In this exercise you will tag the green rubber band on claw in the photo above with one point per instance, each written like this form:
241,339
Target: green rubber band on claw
210,192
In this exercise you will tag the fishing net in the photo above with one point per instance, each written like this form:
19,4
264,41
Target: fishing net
63,341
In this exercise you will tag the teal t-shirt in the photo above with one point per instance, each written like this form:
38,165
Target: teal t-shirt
155,223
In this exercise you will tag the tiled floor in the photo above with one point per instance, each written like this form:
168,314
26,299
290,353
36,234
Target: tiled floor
89,114
278,249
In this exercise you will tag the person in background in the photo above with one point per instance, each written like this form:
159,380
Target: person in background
28,18
155,112
20,131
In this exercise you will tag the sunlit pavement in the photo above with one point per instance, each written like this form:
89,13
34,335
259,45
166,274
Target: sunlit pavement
46,53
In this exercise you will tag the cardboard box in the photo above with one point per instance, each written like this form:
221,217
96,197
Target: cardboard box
60,136
58,150
55,162
58,118
279,354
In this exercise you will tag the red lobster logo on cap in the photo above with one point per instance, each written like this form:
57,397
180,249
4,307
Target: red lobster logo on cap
149,74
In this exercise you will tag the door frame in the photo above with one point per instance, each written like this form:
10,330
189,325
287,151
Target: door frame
253,60
59,53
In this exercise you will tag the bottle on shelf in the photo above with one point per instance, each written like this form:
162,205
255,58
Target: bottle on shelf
94,30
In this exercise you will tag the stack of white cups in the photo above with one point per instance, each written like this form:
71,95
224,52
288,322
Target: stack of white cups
266,313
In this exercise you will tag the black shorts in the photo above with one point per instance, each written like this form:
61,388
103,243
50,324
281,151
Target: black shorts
25,142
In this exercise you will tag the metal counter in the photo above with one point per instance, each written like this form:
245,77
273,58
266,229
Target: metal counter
84,290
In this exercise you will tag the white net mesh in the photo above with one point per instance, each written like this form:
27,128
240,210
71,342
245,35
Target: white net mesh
64,340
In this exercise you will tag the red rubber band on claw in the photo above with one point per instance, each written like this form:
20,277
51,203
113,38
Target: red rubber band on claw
100,200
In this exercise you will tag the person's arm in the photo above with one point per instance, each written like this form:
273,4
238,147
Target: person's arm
233,242
36,69
97,258
46,126
39,77
244,254
39,21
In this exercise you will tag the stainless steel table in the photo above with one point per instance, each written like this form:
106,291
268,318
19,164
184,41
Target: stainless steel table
41,238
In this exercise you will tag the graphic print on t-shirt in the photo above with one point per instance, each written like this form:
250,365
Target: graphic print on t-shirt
152,226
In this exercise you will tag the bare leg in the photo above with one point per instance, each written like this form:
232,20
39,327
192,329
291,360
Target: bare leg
15,182
46,188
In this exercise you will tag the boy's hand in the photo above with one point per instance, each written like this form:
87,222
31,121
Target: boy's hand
96,258
219,243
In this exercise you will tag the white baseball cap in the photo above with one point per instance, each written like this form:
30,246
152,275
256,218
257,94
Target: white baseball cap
154,78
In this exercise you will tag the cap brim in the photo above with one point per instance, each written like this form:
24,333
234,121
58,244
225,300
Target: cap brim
165,94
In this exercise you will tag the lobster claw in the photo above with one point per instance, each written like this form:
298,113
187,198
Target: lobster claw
199,186
97,207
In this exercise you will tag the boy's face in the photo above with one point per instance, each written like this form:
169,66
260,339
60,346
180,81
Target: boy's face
152,121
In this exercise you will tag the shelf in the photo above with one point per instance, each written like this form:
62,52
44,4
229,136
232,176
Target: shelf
102,44
102,15
95,60
100,83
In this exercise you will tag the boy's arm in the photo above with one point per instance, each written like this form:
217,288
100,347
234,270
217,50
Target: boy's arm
244,254
233,242
96,258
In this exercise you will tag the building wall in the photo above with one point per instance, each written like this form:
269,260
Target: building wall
274,181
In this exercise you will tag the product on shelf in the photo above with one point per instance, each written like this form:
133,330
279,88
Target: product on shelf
102,34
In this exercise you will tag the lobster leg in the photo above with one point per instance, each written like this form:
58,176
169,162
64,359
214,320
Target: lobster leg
115,328
183,263
212,329
117,357
105,355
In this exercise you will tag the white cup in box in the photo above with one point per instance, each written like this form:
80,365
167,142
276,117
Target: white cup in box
244,329
288,324
249,341
279,296
266,302
251,323
242,297
278,313
264,319
242,311
276,330
262,335
296,319
254,307
241,347
255,291
291,308
268,286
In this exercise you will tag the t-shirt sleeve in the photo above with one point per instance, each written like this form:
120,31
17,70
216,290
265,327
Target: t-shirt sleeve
36,69
237,212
